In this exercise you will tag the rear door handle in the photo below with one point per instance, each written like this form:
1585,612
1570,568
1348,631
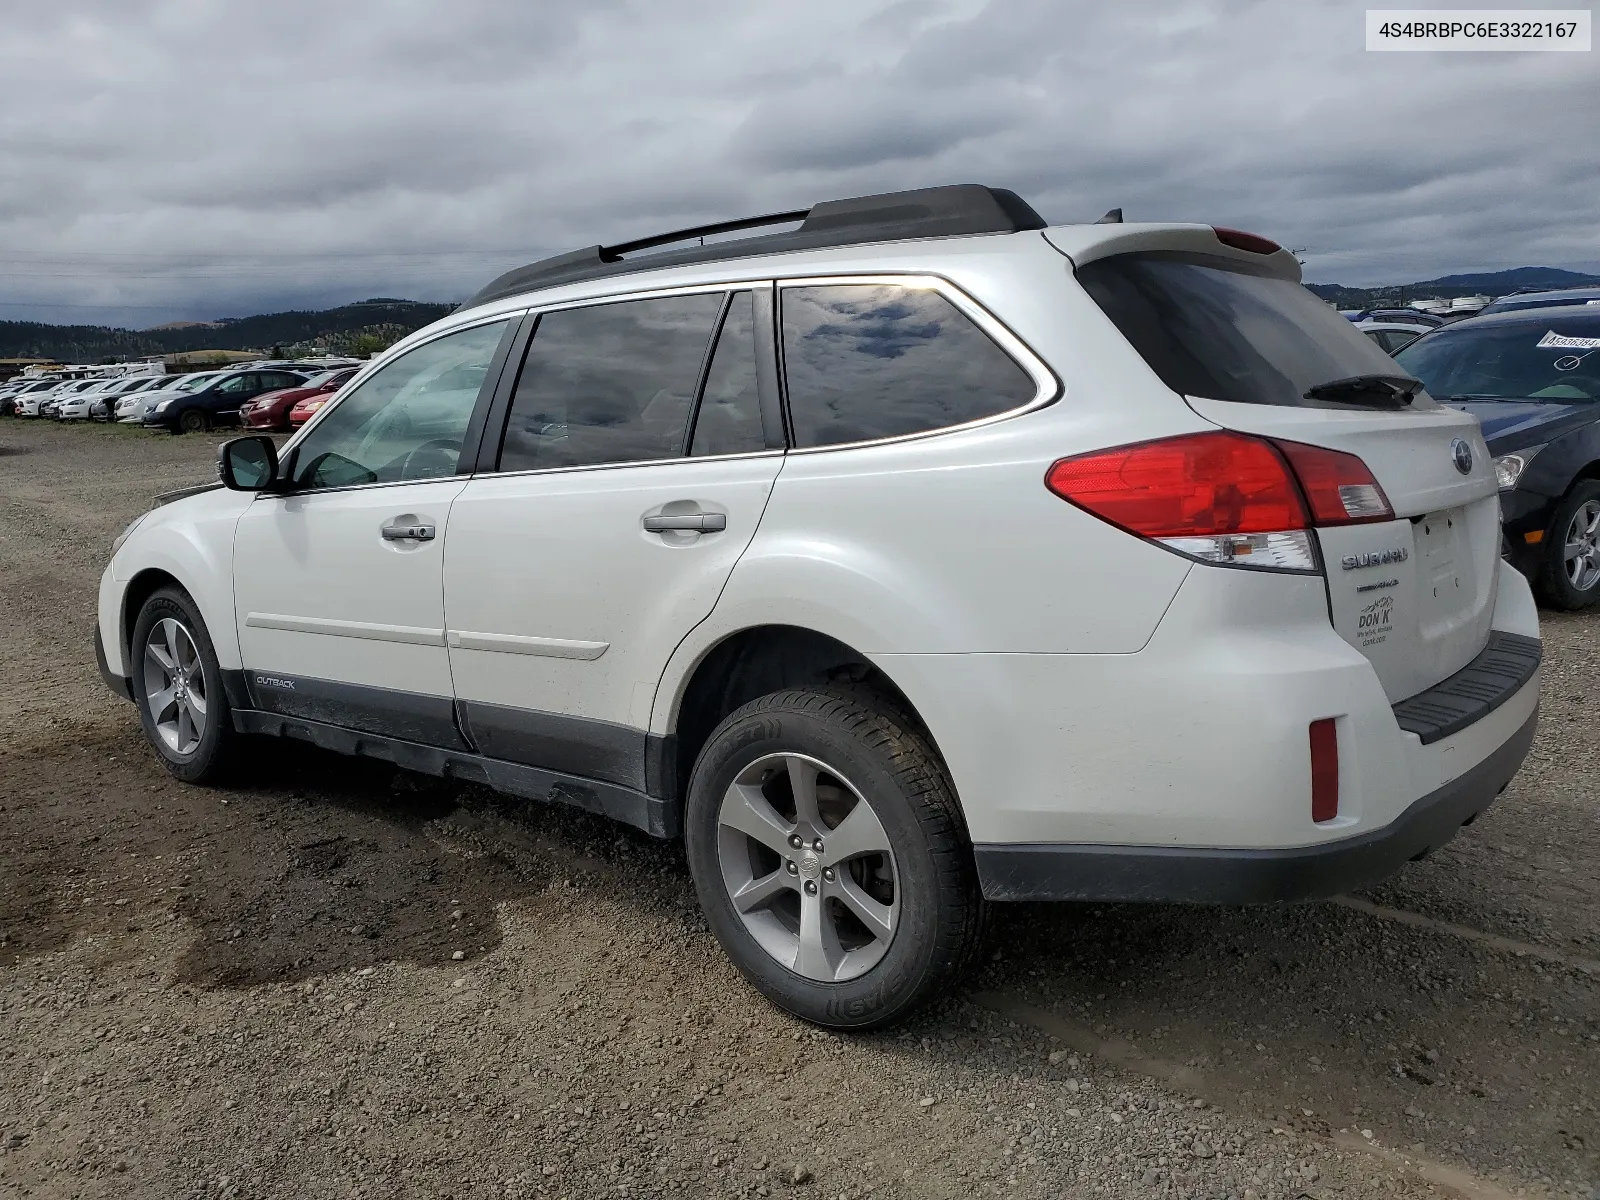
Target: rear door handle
713,522
415,532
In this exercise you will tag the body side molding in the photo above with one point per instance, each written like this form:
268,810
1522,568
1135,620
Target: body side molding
368,630
516,643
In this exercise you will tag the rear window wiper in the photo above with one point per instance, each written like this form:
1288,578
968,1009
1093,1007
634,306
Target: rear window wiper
1388,390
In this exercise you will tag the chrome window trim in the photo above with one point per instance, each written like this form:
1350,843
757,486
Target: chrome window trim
623,466
372,368
694,289
1047,385
361,376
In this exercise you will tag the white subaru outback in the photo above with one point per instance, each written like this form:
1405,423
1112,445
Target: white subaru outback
910,558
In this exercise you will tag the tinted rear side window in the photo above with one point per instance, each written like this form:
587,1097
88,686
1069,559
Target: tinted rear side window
609,384
1214,328
865,361
729,418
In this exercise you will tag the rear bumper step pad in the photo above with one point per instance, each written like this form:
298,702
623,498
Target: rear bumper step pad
1475,691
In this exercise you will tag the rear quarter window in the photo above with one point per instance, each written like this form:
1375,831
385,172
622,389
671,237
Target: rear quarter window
870,361
1219,329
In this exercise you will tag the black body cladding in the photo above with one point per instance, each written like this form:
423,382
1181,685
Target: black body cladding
954,209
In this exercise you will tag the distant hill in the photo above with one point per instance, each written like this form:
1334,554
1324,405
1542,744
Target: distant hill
1447,287
381,317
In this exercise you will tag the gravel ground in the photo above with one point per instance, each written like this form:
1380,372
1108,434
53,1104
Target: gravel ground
348,981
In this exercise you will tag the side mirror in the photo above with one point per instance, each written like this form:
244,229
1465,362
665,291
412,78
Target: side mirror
248,464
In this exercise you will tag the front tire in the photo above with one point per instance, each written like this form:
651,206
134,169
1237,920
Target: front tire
177,685
193,421
1570,577
830,857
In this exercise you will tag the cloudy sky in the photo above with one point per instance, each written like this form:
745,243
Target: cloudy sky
185,159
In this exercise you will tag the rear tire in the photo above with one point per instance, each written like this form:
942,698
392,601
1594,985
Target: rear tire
189,723
854,936
1569,578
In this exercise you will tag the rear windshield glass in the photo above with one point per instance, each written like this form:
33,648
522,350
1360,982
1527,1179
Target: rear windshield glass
1216,328
1554,358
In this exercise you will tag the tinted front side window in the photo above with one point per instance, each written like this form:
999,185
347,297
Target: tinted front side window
407,420
612,383
1551,359
1213,328
864,361
729,418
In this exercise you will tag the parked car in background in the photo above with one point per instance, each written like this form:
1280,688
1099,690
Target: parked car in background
104,406
132,408
1560,298
28,399
304,410
216,401
81,405
1391,336
1532,378
271,410
1404,316
52,403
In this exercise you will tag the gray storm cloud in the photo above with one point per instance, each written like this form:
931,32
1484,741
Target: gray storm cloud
194,158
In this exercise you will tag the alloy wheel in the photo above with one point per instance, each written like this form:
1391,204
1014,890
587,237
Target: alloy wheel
175,686
1581,552
808,867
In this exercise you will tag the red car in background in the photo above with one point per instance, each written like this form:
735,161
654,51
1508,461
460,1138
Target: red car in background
273,409
305,409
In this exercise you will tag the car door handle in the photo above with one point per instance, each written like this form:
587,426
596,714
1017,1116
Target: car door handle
713,522
407,533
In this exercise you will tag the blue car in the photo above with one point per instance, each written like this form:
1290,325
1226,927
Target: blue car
1532,378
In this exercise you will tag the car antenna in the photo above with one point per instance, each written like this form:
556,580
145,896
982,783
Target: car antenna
1113,217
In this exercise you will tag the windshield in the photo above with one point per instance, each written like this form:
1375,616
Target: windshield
1551,359
1217,328
190,382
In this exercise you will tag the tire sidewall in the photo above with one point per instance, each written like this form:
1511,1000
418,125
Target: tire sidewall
204,759
876,997
1558,589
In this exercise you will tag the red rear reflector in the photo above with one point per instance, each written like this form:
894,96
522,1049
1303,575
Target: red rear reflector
1324,770
1340,488
1198,484
1240,240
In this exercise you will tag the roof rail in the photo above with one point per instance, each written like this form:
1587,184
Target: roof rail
962,208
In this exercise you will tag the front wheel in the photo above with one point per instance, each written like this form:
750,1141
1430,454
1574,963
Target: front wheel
194,421
1570,578
830,857
177,685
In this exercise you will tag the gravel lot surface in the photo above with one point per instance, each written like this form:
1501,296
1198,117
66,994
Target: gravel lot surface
344,980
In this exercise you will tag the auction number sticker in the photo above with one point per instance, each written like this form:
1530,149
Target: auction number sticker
1478,29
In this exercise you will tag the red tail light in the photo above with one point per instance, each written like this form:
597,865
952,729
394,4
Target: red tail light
1240,240
1340,488
1201,484
1324,769
1224,497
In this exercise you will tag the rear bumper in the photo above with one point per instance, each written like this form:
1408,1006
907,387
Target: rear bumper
1219,876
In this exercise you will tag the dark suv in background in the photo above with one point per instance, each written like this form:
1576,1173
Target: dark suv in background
218,402
1532,378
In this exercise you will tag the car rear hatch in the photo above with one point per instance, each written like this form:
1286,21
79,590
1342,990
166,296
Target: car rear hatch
1411,583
